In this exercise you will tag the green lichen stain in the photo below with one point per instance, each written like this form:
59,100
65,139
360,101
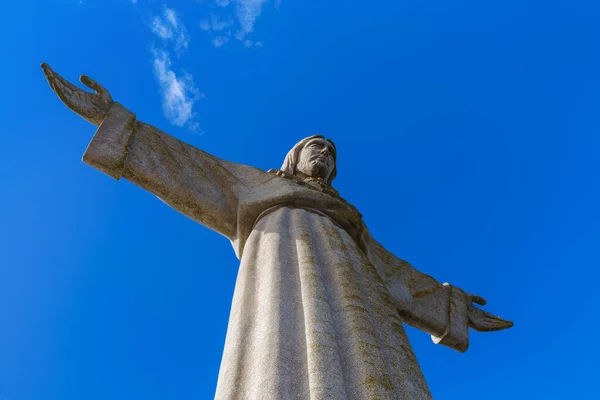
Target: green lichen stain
358,329
356,308
397,325
130,124
304,237
373,383
354,297
311,276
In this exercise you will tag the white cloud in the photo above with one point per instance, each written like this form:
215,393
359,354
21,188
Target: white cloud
215,24
220,41
171,29
159,28
179,92
171,17
218,28
247,11
249,43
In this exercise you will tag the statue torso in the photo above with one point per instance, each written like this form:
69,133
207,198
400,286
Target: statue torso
284,190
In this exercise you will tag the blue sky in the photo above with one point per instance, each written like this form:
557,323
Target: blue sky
467,135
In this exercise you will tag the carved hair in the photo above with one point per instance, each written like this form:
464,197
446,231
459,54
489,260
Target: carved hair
293,156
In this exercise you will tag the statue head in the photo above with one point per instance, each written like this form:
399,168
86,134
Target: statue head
313,157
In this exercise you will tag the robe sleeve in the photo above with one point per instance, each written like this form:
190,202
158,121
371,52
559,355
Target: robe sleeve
423,302
193,182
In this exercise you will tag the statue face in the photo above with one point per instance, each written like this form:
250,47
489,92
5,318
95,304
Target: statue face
317,159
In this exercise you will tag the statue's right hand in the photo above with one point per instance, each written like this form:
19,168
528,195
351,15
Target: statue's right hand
91,106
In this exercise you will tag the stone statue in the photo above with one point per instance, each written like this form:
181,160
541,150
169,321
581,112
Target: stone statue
319,305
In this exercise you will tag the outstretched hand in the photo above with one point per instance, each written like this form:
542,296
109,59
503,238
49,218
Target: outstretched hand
483,321
91,106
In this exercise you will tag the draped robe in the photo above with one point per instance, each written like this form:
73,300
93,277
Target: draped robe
319,305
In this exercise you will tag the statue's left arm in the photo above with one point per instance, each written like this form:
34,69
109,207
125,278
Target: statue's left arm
444,311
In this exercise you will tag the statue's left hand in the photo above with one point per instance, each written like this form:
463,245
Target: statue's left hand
483,321
91,106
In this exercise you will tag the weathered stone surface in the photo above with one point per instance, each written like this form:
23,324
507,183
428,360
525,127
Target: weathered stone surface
107,151
319,305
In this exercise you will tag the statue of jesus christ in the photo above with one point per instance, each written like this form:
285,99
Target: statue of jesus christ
319,305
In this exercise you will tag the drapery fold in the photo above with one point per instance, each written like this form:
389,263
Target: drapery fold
311,319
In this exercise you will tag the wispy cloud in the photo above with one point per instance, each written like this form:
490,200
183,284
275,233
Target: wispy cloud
215,23
219,41
169,28
250,43
247,11
218,28
179,92
227,20
241,18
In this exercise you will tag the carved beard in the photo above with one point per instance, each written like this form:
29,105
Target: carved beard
314,168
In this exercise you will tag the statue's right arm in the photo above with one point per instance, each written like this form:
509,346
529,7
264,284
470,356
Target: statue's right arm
195,183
